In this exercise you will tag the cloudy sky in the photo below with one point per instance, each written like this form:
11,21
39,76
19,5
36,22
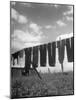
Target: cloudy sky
36,23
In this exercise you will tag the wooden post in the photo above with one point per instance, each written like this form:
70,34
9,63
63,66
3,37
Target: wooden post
62,67
37,73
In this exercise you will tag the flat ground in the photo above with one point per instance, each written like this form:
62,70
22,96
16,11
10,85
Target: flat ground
52,84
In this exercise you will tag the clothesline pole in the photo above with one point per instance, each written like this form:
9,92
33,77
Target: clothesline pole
37,73
62,67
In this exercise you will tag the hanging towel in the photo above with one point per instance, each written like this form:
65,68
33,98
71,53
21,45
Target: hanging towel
35,57
15,56
70,49
43,55
27,59
61,50
51,53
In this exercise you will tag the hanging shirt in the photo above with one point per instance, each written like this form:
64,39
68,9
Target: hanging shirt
70,49
51,53
43,55
61,50
35,57
27,59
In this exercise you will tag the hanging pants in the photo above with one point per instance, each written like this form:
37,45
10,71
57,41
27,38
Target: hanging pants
70,49
27,59
35,57
15,56
51,53
61,50
43,55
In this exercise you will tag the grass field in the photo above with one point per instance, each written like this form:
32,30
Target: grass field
52,84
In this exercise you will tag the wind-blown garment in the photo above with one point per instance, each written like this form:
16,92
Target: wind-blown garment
43,55
27,59
61,50
51,53
15,56
35,57
70,49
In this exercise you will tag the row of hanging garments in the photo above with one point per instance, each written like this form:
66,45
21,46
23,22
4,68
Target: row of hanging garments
16,56
32,53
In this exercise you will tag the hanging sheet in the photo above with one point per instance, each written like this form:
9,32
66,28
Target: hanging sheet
70,49
27,59
61,50
35,57
43,53
51,53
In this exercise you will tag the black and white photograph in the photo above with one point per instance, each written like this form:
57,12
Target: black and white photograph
41,49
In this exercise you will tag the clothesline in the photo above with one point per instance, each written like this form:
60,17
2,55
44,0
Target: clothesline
32,54
49,49
42,44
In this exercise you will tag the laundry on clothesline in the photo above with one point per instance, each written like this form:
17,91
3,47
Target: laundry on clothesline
15,56
61,50
35,56
51,48
70,49
32,53
27,59
43,52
